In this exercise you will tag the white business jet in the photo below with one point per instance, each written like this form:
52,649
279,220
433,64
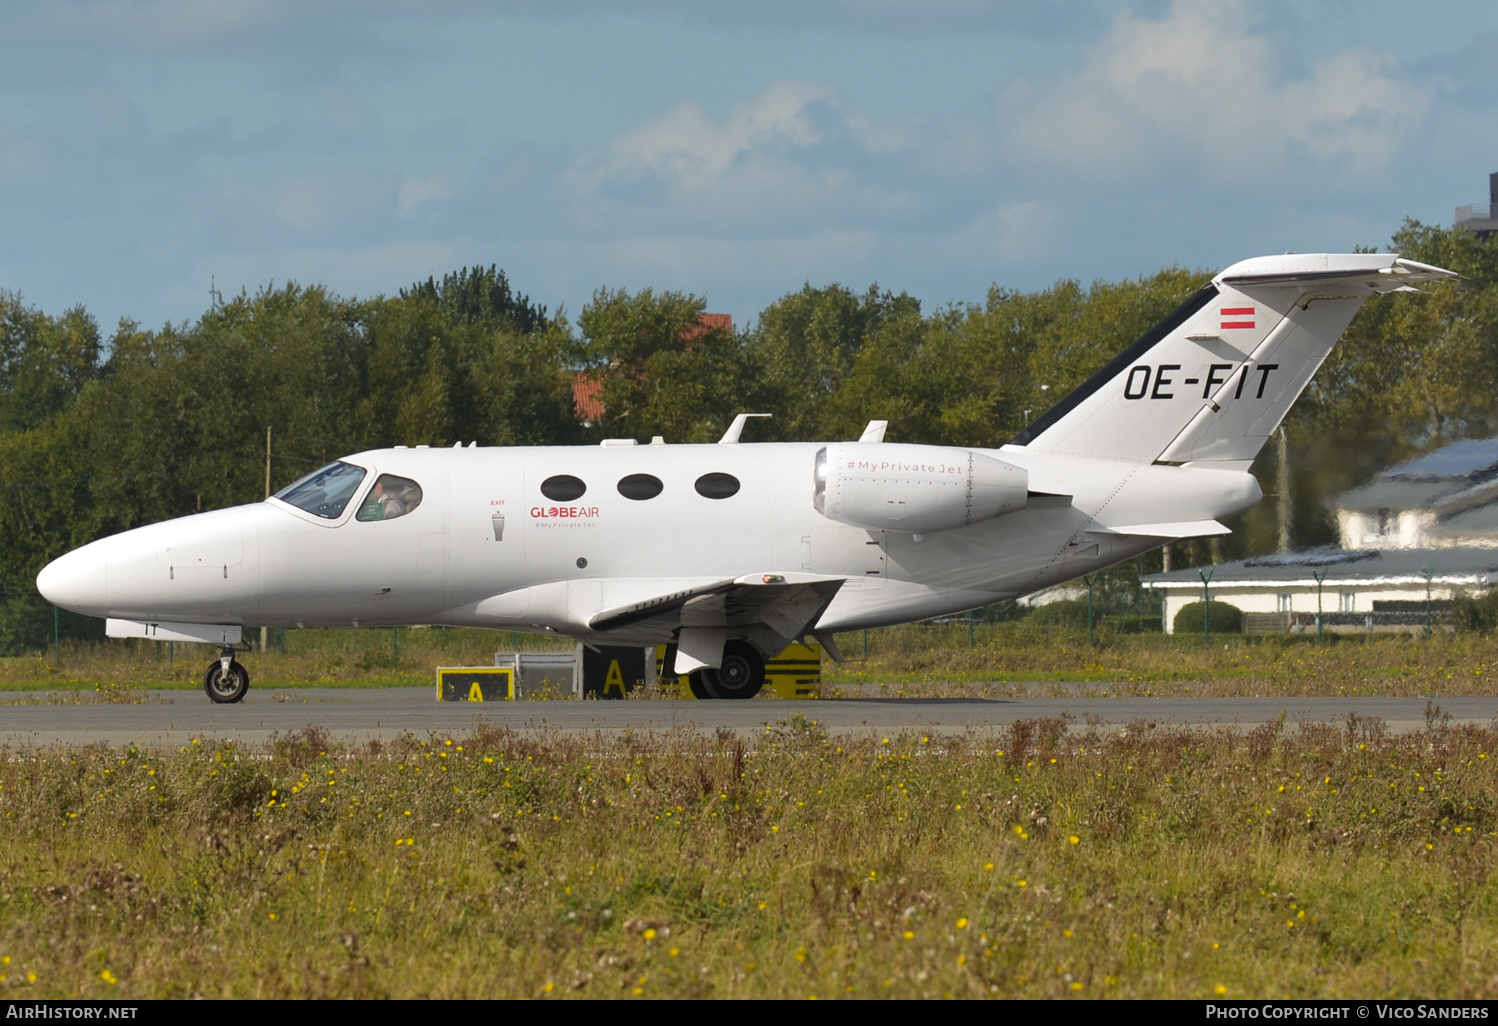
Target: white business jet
728,552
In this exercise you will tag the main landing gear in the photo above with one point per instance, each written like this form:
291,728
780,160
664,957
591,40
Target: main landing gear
227,680
741,675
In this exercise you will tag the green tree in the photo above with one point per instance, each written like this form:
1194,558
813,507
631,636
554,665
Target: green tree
664,372
174,422
803,347
479,295
44,361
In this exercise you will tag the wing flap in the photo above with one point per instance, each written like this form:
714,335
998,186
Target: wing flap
783,605
667,605
1175,529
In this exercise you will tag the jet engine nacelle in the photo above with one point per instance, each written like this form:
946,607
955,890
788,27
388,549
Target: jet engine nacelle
914,488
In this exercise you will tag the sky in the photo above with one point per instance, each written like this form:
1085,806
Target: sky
151,150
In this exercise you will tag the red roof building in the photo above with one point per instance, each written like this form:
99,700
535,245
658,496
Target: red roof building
587,386
587,402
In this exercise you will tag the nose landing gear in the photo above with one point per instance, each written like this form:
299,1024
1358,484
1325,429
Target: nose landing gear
226,681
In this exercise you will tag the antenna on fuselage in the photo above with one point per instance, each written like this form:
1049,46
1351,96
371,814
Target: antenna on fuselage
731,436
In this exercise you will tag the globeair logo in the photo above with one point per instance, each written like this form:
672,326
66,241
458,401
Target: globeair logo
563,512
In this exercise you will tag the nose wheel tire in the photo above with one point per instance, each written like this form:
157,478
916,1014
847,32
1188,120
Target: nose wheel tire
741,675
226,688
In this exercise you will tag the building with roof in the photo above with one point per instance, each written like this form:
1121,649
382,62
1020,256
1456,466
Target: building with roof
1345,590
1413,539
587,397
1481,219
1445,499
587,386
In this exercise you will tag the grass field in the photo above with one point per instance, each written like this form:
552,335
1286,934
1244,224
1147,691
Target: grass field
918,660
1326,861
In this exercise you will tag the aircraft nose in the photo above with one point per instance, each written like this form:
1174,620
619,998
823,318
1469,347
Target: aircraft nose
76,582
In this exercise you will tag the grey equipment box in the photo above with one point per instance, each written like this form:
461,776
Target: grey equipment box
543,674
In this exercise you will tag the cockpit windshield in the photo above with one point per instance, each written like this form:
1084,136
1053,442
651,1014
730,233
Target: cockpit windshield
324,492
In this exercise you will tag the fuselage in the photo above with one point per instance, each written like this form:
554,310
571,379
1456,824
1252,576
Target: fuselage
485,547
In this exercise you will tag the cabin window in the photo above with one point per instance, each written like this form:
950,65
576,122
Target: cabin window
563,488
324,492
717,486
640,486
390,497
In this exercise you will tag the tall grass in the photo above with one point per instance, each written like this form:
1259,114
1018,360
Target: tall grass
1006,658
311,658
1325,861
1025,657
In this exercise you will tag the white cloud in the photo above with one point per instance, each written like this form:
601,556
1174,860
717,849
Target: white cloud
790,161
691,148
416,191
1207,87
1011,232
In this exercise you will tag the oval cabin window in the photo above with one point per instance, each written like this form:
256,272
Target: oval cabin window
563,488
640,486
717,486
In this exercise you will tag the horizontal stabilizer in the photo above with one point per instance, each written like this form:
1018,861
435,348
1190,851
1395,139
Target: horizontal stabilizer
1177,529
1372,271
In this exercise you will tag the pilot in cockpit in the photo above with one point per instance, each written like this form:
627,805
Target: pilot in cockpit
390,497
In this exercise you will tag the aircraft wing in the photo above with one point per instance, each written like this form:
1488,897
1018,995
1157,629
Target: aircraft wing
768,609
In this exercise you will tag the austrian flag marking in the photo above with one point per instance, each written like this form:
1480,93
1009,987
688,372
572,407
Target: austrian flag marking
1237,317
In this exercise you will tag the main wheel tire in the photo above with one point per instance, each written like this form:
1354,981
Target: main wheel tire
226,688
698,686
741,674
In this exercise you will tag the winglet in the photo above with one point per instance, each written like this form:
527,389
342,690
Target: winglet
874,432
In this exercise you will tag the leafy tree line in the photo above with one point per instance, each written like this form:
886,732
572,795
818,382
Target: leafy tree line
100,436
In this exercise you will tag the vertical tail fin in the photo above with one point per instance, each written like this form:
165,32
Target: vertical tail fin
1215,378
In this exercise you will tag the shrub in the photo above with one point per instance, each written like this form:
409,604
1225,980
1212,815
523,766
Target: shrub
1135,624
1476,615
1064,613
1226,619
